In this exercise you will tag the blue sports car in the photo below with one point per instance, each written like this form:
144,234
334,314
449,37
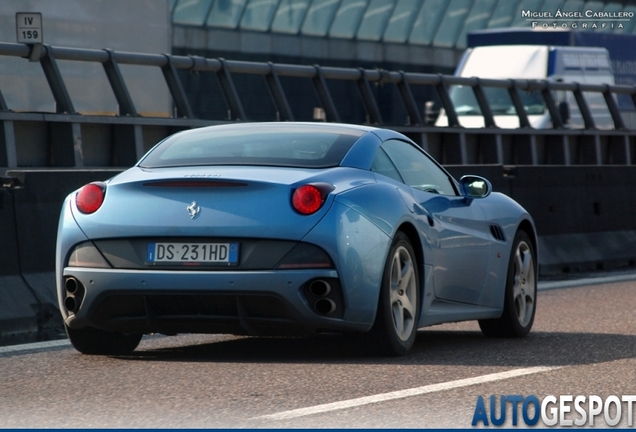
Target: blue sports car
291,229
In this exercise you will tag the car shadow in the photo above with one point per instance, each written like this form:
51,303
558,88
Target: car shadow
459,348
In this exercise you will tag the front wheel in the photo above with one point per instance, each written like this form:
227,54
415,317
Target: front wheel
521,293
395,327
90,340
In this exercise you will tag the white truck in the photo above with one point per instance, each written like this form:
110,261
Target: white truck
531,62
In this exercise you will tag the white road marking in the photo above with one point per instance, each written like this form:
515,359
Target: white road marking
34,346
301,412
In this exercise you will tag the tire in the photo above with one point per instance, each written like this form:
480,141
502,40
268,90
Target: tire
520,298
90,340
395,326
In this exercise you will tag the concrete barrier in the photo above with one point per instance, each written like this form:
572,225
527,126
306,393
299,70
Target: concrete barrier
29,216
18,305
583,214
584,217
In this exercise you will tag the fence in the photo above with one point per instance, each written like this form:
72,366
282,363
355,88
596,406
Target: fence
68,139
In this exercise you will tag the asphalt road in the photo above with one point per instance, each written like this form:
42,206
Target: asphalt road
583,343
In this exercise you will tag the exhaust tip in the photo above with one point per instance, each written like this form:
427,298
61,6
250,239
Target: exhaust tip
325,306
70,304
74,294
71,284
324,297
319,288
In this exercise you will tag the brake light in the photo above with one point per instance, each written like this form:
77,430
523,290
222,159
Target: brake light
90,197
307,199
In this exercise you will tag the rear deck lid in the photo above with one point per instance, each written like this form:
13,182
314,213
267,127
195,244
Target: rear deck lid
204,202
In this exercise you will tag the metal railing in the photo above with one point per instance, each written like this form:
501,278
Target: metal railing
451,144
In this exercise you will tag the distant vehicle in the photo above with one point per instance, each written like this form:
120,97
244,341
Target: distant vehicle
291,229
531,62
621,47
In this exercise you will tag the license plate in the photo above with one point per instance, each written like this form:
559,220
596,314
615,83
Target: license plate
192,253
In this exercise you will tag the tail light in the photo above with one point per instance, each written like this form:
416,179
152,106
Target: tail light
309,198
90,197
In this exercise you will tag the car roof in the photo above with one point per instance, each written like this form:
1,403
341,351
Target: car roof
335,127
226,144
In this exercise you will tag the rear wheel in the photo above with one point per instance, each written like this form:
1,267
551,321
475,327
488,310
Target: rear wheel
90,340
395,327
520,295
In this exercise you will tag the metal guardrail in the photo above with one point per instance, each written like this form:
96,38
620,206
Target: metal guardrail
450,145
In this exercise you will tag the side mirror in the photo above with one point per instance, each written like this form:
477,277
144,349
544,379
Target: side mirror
472,187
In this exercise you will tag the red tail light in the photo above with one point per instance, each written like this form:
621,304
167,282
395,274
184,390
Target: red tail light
307,199
90,197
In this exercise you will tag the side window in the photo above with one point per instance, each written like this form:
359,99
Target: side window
417,169
383,165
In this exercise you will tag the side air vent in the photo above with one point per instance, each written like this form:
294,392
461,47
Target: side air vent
497,233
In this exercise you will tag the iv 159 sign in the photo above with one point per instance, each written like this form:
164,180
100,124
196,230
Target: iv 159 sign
29,27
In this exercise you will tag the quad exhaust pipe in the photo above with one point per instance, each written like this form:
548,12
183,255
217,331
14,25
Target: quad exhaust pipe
74,294
323,305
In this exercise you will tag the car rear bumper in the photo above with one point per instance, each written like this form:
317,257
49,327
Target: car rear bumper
273,302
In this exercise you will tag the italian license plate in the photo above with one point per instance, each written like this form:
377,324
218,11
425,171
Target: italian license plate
192,253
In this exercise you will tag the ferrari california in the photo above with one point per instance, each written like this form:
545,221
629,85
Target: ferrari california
291,229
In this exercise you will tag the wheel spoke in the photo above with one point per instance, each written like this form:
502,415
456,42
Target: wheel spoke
398,318
408,307
395,279
520,303
394,297
517,290
526,262
518,264
530,296
407,276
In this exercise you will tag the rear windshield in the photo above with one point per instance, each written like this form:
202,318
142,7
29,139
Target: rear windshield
304,146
